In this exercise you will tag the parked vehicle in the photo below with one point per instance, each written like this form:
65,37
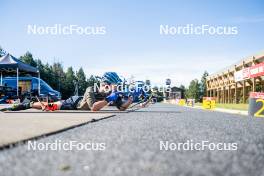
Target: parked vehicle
30,85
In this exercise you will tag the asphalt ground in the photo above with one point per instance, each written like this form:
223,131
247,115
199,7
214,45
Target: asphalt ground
132,146
17,127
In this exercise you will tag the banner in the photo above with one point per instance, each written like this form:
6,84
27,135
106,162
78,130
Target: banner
256,70
250,72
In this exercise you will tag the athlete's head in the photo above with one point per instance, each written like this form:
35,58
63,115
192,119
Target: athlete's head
111,78
109,81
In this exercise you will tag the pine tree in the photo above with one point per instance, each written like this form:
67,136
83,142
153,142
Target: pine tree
28,59
69,83
81,81
194,90
92,80
203,85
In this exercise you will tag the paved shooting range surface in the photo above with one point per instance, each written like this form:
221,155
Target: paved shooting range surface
132,146
15,127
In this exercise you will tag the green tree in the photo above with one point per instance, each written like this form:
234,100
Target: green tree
193,90
58,76
81,79
182,87
93,80
203,85
47,75
55,76
42,69
28,59
183,90
69,83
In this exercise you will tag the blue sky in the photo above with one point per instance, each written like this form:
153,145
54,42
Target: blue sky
132,44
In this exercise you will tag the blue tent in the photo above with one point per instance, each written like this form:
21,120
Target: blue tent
9,63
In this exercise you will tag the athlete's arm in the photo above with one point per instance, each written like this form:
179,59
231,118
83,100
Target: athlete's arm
99,105
126,104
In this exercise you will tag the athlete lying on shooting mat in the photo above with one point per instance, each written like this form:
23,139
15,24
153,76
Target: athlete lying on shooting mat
91,100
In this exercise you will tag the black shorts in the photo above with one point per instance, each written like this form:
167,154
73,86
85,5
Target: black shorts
71,103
